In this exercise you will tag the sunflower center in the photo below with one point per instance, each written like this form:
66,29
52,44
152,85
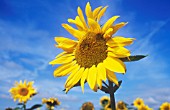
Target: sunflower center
139,103
91,50
166,108
105,102
23,91
121,106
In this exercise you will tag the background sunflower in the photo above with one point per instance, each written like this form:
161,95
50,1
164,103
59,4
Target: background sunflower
22,91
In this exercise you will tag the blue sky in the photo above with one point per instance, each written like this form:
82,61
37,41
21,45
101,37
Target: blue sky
27,31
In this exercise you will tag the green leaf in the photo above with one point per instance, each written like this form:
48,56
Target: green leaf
34,94
20,104
133,58
35,106
17,108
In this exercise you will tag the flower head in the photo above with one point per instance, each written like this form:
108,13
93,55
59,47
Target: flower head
165,106
104,101
95,55
51,102
121,106
138,102
87,106
144,107
108,106
22,91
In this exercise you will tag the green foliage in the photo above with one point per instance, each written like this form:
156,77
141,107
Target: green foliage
133,58
20,104
17,108
35,107
23,107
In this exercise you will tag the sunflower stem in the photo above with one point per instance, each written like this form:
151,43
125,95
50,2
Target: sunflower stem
112,90
105,84
112,97
24,106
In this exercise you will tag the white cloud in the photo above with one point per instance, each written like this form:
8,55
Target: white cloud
26,39
52,88
151,100
4,96
153,66
17,65
10,70
154,97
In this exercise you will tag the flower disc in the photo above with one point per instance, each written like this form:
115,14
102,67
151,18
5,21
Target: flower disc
91,50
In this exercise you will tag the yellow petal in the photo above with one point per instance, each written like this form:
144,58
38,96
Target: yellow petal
93,25
101,71
66,48
95,88
101,13
76,33
65,44
62,68
80,13
109,23
108,33
64,40
114,64
96,11
63,59
67,89
111,54
25,84
112,77
77,22
117,27
61,54
83,78
88,11
72,21
119,41
77,67
75,78
99,82
65,71
92,77
30,83
119,52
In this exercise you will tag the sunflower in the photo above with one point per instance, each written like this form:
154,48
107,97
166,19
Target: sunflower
108,106
121,106
95,55
144,107
51,102
104,101
22,91
138,102
165,106
87,106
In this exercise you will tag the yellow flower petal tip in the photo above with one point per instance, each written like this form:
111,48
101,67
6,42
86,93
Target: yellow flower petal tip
96,53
